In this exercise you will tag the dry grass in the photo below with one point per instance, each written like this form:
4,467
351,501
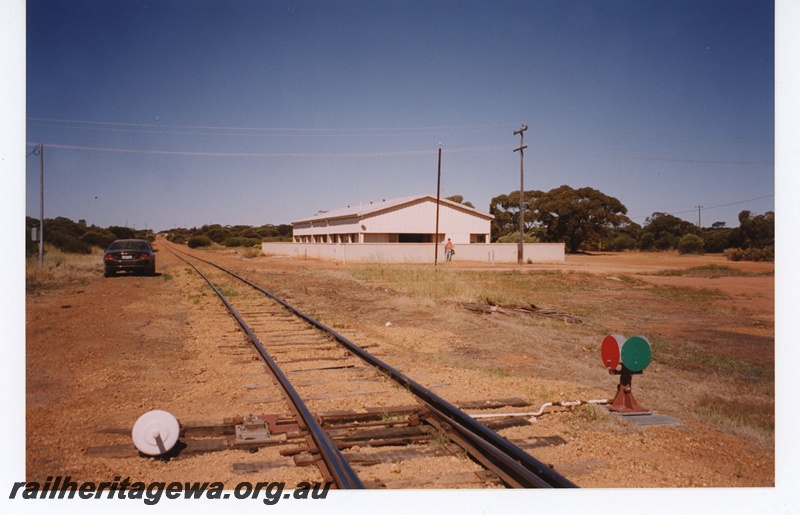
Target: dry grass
247,252
61,270
512,287
752,418
711,271
556,350
625,306
590,417
695,296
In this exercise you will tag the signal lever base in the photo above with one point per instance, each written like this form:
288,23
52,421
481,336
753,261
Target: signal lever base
624,402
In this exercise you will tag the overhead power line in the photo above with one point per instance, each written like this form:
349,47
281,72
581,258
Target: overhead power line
735,202
84,124
487,148
741,201
276,154
628,156
218,130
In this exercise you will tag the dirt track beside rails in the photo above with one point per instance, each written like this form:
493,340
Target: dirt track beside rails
103,353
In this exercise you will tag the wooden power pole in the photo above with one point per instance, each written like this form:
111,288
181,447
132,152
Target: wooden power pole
41,205
438,190
522,147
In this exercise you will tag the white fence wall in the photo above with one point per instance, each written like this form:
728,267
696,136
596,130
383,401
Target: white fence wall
416,252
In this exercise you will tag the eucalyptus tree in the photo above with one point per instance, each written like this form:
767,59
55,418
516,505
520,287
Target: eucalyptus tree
578,217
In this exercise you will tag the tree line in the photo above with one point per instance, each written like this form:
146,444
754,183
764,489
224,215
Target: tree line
229,235
79,238
586,219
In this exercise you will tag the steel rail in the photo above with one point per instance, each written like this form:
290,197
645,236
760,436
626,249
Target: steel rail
527,471
340,469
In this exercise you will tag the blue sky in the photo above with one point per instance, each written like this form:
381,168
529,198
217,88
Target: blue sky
184,113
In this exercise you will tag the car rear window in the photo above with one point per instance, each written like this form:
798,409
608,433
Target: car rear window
129,245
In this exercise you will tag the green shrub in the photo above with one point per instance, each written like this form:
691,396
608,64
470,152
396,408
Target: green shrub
514,238
233,241
647,241
621,242
122,233
218,234
199,241
666,242
76,247
98,239
236,241
751,254
690,244
177,238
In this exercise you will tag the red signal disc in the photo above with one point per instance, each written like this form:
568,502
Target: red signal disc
610,350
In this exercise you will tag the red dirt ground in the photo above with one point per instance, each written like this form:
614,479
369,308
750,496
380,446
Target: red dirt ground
104,353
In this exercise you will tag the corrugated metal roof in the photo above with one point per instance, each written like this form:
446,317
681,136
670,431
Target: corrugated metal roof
362,210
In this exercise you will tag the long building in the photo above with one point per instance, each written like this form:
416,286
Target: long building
404,220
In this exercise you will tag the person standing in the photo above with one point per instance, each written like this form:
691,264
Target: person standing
448,250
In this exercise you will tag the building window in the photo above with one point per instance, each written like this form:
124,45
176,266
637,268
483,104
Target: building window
414,238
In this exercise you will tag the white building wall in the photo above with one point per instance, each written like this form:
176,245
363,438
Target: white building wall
416,252
420,218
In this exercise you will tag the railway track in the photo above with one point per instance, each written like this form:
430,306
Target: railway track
375,414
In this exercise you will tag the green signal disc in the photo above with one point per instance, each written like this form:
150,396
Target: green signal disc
636,353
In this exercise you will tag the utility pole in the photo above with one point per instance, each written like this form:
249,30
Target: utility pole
520,249
41,205
699,226
438,190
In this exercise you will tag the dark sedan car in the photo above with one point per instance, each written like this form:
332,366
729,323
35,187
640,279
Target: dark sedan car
130,256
